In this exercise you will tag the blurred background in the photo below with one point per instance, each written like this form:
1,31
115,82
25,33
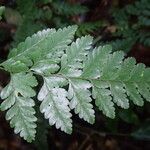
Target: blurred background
125,24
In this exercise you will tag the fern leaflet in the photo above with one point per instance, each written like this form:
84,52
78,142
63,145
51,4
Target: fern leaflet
18,101
2,8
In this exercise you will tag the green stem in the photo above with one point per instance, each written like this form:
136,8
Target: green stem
96,79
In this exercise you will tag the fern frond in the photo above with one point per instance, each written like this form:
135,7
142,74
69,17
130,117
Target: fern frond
19,104
42,44
135,30
144,37
123,44
67,9
73,76
28,26
89,27
117,79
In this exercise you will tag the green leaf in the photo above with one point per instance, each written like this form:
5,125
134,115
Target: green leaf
113,77
93,63
75,54
89,27
103,98
118,93
55,104
39,46
67,9
75,75
128,34
72,64
79,95
45,67
2,8
19,104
